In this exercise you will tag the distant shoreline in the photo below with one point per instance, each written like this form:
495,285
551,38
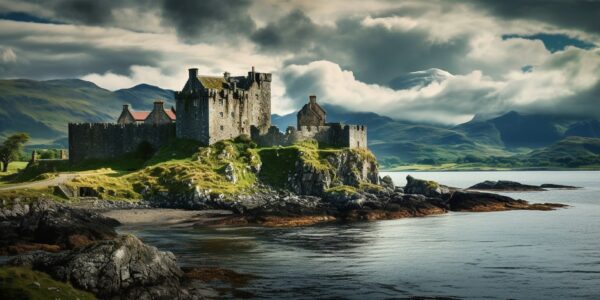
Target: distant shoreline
457,168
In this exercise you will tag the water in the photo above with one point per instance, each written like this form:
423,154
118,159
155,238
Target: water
497,255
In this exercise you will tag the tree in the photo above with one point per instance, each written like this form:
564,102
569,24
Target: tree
11,148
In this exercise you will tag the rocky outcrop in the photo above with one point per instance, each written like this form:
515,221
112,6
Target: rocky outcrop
123,268
47,225
350,167
425,187
505,185
480,202
558,186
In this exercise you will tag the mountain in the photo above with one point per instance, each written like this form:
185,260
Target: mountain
43,108
140,95
570,152
516,130
418,79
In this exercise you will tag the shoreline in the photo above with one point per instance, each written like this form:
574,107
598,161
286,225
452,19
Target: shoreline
165,216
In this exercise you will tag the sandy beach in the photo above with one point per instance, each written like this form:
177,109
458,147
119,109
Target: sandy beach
165,216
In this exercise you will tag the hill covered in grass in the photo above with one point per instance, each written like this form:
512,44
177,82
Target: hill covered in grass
44,108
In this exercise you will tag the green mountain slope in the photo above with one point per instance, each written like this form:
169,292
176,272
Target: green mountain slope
43,108
571,152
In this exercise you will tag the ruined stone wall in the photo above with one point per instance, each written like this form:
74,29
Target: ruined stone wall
333,135
104,140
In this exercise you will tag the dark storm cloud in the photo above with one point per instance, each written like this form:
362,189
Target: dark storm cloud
375,54
208,20
86,12
41,58
295,31
582,15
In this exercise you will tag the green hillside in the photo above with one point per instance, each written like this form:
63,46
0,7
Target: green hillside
43,108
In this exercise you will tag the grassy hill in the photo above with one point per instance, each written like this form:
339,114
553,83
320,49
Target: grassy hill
43,108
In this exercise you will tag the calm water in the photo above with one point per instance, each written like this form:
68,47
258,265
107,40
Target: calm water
498,255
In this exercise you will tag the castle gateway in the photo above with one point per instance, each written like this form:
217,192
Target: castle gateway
210,109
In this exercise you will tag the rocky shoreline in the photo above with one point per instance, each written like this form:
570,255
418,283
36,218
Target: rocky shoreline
77,244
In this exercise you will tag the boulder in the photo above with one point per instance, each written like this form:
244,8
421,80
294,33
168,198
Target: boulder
425,187
123,268
46,224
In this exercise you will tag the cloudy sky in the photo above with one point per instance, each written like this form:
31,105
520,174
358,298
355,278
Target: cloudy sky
434,61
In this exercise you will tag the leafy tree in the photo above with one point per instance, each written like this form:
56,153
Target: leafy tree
11,148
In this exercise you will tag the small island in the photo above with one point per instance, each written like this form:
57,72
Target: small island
216,150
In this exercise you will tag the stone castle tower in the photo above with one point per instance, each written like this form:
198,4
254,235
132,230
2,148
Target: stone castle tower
211,108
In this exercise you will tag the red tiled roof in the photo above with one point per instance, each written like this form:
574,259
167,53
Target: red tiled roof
140,115
171,114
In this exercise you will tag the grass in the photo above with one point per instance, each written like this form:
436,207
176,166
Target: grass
24,283
279,162
13,168
25,196
342,190
184,166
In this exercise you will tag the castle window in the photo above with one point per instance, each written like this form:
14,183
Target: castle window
222,127
221,114
232,115
195,103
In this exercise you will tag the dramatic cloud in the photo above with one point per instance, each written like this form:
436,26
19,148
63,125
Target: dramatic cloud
463,57
209,20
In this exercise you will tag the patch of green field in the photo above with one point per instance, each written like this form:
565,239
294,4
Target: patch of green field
24,283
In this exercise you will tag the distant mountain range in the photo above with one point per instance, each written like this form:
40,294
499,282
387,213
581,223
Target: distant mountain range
43,109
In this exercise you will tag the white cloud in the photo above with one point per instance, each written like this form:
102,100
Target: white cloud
390,23
559,84
7,55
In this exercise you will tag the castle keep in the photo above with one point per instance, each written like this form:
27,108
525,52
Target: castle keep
210,109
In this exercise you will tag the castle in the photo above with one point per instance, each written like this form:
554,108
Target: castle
210,109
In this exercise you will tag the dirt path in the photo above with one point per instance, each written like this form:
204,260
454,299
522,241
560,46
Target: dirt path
61,178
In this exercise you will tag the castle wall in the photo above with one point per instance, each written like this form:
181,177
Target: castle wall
192,117
104,140
259,98
228,115
333,135
357,136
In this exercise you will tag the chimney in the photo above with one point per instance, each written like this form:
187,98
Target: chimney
226,76
252,74
158,105
193,72
125,107
312,99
